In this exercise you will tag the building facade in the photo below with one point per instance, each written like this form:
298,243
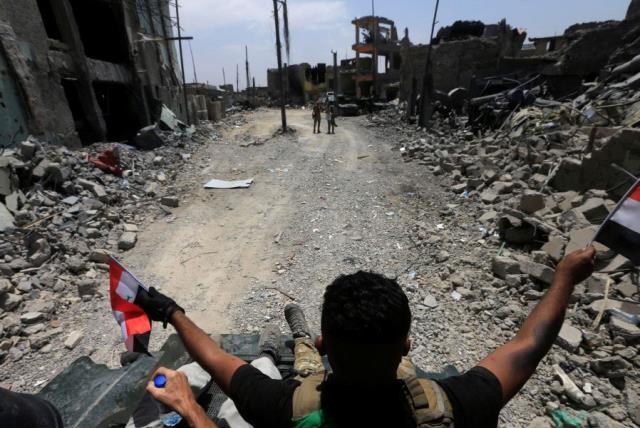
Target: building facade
80,71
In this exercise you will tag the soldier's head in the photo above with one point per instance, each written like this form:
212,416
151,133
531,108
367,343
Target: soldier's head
365,327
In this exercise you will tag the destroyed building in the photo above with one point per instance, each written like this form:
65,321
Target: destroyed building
303,82
378,60
80,71
460,52
209,102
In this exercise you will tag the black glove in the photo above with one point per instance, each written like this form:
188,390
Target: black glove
156,305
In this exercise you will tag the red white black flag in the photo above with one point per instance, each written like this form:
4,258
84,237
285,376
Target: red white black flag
621,230
134,323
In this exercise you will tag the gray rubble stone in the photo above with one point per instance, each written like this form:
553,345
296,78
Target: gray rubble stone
5,286
128,227
489,197
75,264
127,241
623,328
170,201
594,210
430,301
600,420
503,266
31,317
610,367
442,256
24,286
626,289
97,189
555,248
580,238
633,406
87,287
569,337
73,339
531,202
9,301
41,254
489,216
537,271
100,256
6,218
70,200
27,150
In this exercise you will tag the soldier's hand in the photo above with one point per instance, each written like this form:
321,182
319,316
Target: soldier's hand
577,266
156,305
176,394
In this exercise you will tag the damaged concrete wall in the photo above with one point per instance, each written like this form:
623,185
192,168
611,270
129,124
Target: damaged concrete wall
595,170
455,62
589,47
26,48
81,69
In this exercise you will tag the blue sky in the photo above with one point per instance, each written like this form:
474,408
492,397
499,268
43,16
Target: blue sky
221,28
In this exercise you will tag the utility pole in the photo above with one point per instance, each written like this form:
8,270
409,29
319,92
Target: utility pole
246,63
237,79
224,77
193,61
184,79
335,72
282,77
427,82
374,35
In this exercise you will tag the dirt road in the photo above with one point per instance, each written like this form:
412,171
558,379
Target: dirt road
320,205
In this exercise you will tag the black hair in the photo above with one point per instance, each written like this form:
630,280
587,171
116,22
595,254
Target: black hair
366,307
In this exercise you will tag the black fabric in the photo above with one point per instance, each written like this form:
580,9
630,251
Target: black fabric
262,401
338,404
23,410
476,398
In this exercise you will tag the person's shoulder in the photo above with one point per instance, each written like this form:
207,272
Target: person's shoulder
475,397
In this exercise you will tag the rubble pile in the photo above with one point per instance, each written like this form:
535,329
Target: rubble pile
534,189
62,214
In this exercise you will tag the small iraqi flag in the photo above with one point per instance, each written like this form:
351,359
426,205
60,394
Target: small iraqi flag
621,230
134,323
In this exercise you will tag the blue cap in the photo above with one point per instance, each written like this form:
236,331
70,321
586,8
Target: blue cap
160,381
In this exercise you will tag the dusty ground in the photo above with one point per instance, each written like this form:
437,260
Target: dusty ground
321,205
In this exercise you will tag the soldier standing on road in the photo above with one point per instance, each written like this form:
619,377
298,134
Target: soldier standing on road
331,113
317,117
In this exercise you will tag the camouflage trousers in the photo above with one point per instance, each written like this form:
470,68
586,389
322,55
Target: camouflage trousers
307,358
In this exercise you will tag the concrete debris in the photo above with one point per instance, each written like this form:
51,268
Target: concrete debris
73,339
570,337
127,241
149,138
533,177
62,221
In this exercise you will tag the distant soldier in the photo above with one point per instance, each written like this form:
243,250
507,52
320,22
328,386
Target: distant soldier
331,119
317,117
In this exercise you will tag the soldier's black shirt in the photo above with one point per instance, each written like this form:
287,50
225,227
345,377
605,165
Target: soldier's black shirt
476,398
24,410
